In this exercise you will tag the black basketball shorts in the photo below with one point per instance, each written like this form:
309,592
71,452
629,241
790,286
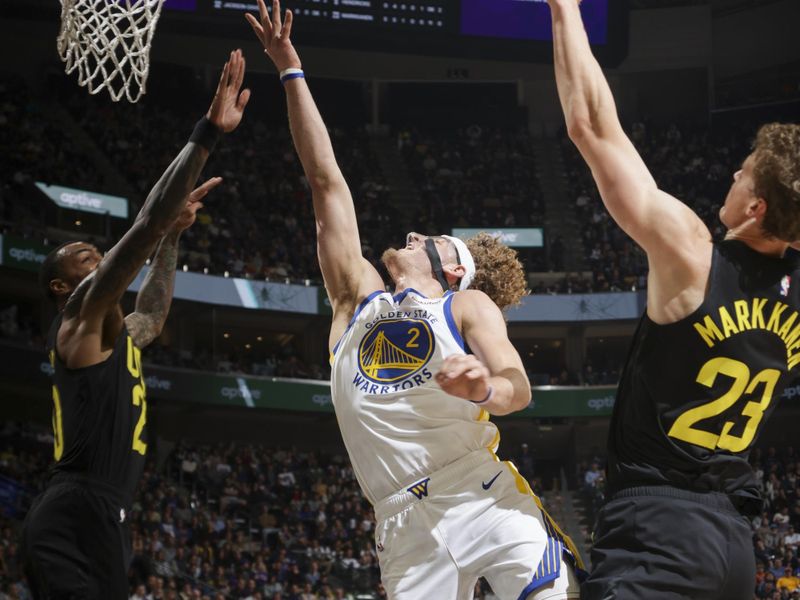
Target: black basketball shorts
663,543
76,544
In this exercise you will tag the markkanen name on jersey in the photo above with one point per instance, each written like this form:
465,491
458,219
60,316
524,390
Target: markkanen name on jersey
754,314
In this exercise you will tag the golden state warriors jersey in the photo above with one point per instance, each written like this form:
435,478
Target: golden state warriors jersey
397,423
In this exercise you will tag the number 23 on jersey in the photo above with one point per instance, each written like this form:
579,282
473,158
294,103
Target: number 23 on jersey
686,426
134,364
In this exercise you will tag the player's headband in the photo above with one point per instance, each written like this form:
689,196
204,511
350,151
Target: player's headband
463,257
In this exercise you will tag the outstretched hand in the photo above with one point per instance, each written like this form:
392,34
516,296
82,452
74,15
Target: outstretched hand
193,204
273,33
228,104
465,376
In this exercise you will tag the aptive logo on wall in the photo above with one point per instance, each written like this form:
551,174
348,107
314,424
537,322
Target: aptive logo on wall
26,255
86,201
154,382
600,403
231,392
321,399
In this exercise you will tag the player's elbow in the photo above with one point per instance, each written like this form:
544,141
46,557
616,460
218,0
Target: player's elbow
522,398
581,130
324,178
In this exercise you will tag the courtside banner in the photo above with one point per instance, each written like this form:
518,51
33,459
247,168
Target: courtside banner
526,237
313,300
26,366
241,293
85,201
20,253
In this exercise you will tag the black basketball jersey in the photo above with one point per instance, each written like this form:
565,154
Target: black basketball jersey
100,416
695,394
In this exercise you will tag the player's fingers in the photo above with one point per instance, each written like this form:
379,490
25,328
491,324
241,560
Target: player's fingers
276,18
244,98
457,370
203,189
264,14
465,360
287,24
236,62
475,373
239,73
223,77
257,28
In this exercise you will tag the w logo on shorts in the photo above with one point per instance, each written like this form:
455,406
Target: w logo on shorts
420,489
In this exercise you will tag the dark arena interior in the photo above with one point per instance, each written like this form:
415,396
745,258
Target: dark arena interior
444,117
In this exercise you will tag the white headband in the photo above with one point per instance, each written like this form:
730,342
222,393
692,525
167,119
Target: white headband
465,259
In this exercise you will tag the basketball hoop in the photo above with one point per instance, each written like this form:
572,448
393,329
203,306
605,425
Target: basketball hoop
108,43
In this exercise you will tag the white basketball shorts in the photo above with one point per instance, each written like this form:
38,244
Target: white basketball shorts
476,517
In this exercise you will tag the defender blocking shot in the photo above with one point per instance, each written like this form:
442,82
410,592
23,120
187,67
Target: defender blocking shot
75,539
716,346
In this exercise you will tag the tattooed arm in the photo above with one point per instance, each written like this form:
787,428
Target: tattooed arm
92,315
155,296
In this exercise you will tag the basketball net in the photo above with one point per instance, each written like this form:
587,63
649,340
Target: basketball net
108,43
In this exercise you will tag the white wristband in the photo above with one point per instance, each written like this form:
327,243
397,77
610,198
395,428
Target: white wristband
291,73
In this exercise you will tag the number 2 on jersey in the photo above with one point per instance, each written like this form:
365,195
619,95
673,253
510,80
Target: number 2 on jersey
138,395
684,426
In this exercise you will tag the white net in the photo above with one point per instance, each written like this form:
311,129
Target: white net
108,43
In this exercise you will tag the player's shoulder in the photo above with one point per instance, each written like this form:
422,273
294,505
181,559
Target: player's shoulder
473,303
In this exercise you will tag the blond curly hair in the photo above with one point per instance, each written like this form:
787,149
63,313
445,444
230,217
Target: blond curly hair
776,175
498,271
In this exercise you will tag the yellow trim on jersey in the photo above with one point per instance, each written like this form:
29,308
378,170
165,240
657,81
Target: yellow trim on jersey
524,488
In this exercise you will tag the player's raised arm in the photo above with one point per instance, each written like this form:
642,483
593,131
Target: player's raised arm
666,228
147,320
494,377
165,202
348,276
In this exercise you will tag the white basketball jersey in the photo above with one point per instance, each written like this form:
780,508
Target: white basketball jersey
397,423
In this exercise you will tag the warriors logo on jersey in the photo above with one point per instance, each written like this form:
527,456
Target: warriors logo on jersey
393,354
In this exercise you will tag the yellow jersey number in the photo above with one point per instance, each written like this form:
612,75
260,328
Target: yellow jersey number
58,426
743,384
138,395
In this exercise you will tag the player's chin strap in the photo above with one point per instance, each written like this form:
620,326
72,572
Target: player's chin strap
463,257
436,263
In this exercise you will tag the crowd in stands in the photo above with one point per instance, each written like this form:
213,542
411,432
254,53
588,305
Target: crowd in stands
473,175
776,531
259,223
220,522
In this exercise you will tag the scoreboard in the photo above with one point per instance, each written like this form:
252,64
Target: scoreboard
510,29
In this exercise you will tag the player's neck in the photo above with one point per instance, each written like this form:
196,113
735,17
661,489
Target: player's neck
756,240
427,287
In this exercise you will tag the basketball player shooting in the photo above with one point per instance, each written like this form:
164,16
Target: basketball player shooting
76,542
718,342
412,404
